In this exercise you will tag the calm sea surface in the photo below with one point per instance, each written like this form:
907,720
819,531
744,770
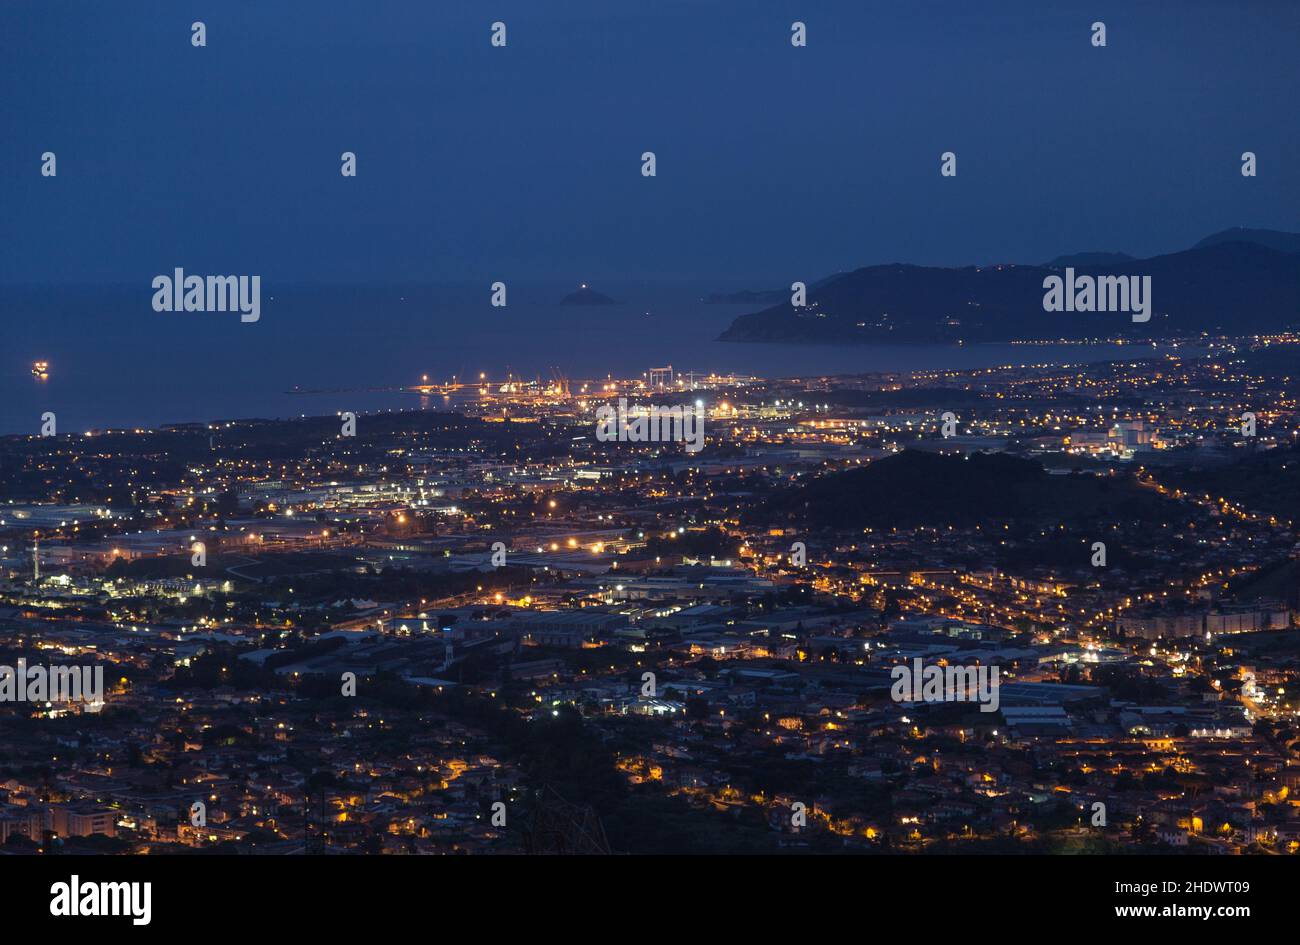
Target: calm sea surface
115,362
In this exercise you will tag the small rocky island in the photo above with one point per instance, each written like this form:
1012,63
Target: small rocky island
585,295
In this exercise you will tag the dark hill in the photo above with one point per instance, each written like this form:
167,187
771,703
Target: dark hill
1231,287
1267,481
1082,260
914,488
761,296
1273,239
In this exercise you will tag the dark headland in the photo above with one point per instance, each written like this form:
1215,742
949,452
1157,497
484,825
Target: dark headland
1237,281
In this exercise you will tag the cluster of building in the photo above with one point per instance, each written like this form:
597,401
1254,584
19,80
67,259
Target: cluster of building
345,650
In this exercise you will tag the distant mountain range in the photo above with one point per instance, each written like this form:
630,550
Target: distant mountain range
1273,239
1234,282
760,296
1089,259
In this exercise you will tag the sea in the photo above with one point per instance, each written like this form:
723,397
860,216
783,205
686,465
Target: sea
116,363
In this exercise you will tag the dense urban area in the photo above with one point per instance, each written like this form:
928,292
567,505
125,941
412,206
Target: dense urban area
474,626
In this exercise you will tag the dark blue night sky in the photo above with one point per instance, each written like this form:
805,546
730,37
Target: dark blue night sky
523,162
